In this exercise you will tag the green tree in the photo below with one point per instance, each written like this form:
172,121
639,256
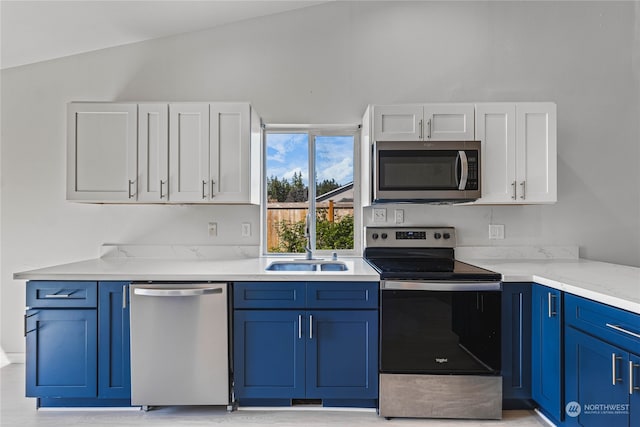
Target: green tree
277,190
326,186
299,191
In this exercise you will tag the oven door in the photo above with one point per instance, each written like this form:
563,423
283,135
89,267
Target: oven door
440,328
426,171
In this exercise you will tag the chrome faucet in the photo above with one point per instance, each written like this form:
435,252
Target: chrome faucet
307,235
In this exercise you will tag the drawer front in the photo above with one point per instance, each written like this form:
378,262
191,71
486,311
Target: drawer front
358,295
62,294
269,295
617,326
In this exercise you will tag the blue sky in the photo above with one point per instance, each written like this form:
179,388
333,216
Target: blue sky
287,153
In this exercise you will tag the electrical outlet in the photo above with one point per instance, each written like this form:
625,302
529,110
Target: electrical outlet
246,229
496,231
213,229
379,215
399,215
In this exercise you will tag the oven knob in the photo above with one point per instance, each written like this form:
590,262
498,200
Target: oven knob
446,235
437,235
374,236
384,235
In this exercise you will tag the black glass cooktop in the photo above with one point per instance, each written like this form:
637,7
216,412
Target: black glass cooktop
424,264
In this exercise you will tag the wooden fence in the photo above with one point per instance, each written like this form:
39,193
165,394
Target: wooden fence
295,212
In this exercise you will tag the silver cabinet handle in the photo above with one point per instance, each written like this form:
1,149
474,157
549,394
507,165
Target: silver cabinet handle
429,127
619,329
515,190
124,296
212,184
131,194
420,130
311,326
59,295
614,374
550,299
632,366
150,292
204,186
299,326
524,190
161,184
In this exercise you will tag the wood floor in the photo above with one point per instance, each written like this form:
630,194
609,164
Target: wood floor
16,410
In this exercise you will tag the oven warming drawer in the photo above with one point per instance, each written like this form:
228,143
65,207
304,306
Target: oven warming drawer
441,396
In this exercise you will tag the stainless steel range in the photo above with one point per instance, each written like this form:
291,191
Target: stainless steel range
440,327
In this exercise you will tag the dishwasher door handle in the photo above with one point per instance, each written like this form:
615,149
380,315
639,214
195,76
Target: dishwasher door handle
154,292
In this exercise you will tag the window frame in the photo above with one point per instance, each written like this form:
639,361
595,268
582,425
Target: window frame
312,132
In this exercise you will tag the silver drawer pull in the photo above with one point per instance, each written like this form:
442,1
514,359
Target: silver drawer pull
58,295
176,292
619,329
614,363
632,387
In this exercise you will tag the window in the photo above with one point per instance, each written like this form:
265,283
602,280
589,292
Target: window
294,158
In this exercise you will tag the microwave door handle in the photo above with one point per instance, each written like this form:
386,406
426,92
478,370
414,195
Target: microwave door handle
464,173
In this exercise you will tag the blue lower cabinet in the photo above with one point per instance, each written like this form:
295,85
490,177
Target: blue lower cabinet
597,383
114,364
547,351
516,345
269,354
342,355
61,353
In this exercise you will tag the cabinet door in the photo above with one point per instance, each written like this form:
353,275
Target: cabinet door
546,369
230,152
448,122
597,374
269,354
61,353
342,355
496,131
114,364
189,153
101,152
634,390
536,152
516,344
397,123
153,152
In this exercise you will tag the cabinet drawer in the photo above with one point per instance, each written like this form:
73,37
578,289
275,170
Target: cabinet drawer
51,294
342,295
611,324
269,295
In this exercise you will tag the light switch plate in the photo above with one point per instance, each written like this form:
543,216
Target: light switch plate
246,229
379,215
213,229
496,231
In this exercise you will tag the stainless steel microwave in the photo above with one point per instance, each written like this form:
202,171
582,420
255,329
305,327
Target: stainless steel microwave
426,171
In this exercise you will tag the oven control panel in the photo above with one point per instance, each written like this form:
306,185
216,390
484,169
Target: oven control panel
417,237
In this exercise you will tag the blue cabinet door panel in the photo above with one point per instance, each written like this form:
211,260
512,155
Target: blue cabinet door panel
590,381
269,295
342,355
114,365
546,332
61,294
61,353
516,341
269,353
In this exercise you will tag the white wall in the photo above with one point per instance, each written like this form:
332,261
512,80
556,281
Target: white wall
324,65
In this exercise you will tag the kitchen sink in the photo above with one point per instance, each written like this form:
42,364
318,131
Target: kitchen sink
307,265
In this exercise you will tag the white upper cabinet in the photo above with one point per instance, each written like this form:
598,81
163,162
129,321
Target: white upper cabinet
518,158
153,152
189,152
424,122
161,152
101,152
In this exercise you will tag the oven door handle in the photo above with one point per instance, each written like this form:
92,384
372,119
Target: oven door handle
440,286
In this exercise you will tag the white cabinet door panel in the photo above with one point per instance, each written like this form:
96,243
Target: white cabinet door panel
153,152
398,122
189,152
102,157
496,131
449,122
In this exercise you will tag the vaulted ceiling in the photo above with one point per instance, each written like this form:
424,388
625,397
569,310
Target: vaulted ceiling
34,31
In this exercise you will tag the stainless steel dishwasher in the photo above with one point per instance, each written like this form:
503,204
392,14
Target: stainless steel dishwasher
179,344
